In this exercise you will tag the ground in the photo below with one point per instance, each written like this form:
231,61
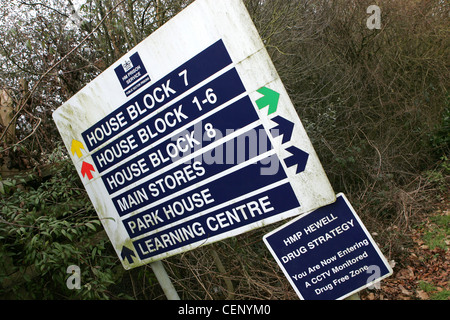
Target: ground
424,271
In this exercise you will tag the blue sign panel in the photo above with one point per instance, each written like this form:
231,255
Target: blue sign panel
185,175
186,205
222,89
328,254
177,82
231,217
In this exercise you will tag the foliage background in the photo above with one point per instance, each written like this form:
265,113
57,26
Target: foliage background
375,104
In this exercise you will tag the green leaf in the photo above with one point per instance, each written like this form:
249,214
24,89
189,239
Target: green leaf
91,226
94,251
46,233
9,183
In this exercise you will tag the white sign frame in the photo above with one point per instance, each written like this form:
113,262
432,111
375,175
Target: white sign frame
197,27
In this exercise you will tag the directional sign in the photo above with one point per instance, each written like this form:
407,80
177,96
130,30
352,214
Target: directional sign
87,169
77,146
269,99
127,254
328,254
285,128
191,138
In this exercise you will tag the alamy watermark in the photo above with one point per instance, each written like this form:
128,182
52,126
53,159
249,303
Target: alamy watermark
235,147
374,21
74,20
375,273
74,280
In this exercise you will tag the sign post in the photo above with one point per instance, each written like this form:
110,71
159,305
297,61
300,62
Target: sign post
164,280
328,254
191,138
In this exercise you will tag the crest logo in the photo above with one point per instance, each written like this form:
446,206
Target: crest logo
132,74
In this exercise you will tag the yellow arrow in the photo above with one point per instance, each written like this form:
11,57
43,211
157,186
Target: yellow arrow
76,148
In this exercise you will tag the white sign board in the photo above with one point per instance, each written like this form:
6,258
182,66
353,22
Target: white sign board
191,138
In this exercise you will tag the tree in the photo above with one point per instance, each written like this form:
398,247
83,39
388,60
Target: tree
43,45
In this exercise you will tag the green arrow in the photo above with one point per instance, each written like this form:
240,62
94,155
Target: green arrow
270,99
76,148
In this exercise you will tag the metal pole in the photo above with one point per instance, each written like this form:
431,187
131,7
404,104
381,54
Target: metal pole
164,280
